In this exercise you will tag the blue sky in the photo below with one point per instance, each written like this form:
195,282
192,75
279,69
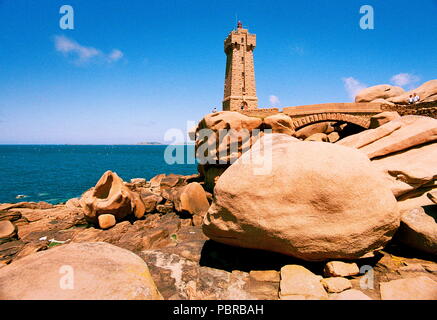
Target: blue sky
131,70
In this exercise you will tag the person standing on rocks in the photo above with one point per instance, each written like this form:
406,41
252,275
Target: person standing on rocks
411,99
416,98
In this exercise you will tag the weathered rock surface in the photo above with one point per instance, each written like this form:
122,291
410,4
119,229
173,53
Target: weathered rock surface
351,294
383,102
341,269
322,127
171,181
274,206
279,123
192,199
419,230
111,196
382,91
298,283
410,173
79,271
212,174
333,137
222,137
150,200
7,231
265,275
211,263
396,135
106,221
427,92
321,137
140,182
73,204
155,182
405,150
418,288
336,284
181,278
382,118
26,205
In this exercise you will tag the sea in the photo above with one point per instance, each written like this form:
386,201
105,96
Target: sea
56,173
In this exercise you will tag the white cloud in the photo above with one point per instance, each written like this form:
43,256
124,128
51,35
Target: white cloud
403,79
274,101
353,86
115,55
83,54
68,46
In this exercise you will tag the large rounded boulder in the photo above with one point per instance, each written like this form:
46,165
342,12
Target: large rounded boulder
79,271
382,91
310,200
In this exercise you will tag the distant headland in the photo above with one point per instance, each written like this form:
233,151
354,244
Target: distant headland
147,143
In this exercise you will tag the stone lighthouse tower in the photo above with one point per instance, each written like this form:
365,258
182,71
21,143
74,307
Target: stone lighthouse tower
240,90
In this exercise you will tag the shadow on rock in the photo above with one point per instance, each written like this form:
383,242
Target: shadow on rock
225,257
398,249
431,210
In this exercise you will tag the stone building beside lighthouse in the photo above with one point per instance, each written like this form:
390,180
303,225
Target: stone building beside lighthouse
240,90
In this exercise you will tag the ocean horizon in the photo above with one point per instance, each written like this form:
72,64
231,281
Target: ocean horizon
57,172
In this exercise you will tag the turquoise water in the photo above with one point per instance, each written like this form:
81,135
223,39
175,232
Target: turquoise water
56,173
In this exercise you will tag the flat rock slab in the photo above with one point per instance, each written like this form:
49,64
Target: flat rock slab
336,284
418,288
341,269
351,294
265,275
298,283
179,278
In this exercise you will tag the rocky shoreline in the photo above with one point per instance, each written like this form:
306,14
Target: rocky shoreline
355,219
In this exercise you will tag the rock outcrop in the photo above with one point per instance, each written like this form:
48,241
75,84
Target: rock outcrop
298,283
279,123
321,137
388,94
418,288
419,230
336,284
427,93
190,198
184,264
7,231
351,294
85,271
397,135
222,137
111,196
289,197
405,150
382,118
340,269
382,91
322,127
